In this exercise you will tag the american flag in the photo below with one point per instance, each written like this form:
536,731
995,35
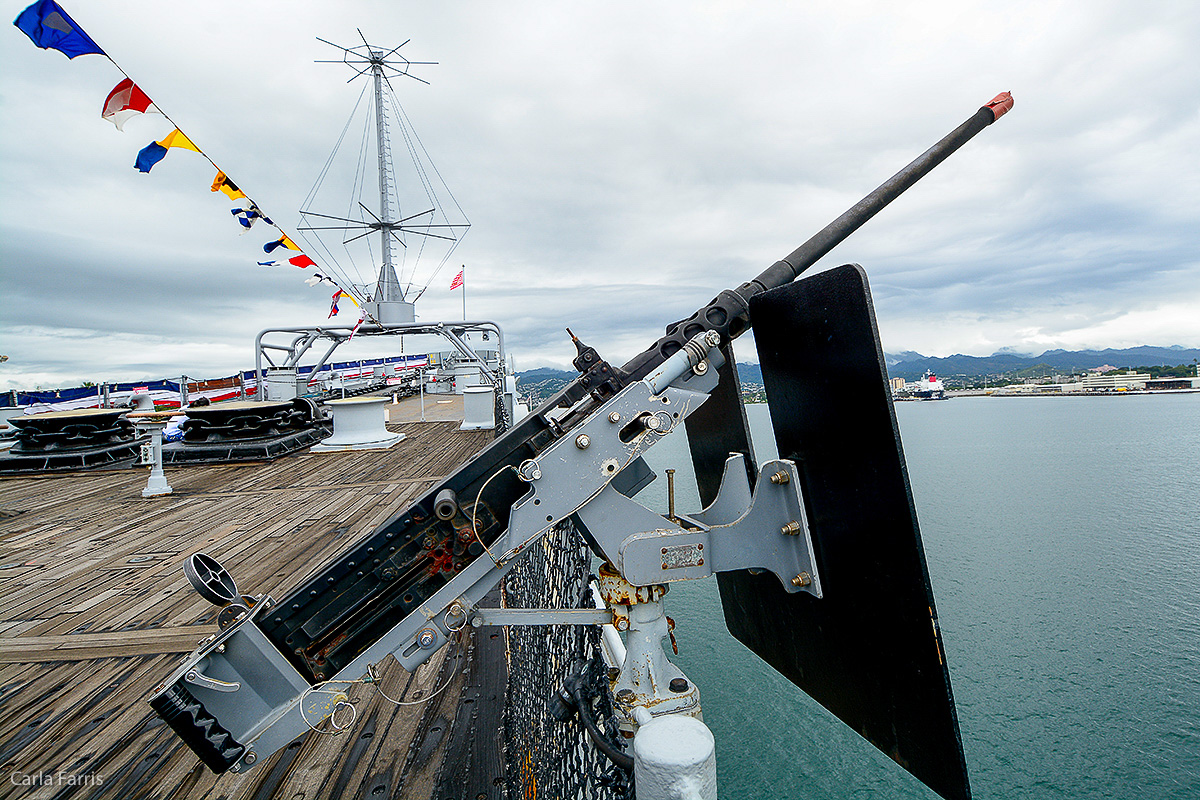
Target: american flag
458,279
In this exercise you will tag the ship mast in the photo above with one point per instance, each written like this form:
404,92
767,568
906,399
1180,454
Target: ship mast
386,303
387,289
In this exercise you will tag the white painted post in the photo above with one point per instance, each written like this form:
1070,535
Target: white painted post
157,485
674,758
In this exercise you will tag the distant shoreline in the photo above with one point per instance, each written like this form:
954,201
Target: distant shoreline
1134,392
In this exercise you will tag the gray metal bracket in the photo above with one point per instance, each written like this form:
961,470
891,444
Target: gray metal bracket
580,467
766,530
541,616
733,497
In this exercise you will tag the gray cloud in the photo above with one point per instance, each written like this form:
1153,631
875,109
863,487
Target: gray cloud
620,163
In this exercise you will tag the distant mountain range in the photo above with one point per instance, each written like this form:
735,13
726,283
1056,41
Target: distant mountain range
911,365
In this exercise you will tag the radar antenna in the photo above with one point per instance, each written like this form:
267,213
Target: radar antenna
395,220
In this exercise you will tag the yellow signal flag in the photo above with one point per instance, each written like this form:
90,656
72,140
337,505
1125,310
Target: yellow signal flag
221,183
176,138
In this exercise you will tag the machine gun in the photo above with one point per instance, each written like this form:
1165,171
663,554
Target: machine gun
818,554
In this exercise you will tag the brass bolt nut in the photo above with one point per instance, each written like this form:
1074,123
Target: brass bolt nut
583,441
614,417
791,529
781,478
803,579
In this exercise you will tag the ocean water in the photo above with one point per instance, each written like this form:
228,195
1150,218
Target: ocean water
1063,540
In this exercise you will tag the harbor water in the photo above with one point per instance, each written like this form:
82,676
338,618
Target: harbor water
1063,540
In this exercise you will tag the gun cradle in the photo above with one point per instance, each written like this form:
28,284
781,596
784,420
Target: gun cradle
241,695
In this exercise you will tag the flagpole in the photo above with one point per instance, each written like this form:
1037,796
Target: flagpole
464,288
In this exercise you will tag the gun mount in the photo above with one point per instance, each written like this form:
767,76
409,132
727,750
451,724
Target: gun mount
277,668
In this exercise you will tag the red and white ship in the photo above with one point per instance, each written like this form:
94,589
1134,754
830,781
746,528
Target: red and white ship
928,388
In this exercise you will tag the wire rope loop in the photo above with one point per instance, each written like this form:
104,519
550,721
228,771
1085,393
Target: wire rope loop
338,706
373,673
462,615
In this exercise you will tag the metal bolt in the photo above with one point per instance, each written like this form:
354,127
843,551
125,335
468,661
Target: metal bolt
426,638
701,367
712,338
780,478
803,579
250,757
670,496
621,623
583,441
529,470
791,529
679,685
653,423
614,417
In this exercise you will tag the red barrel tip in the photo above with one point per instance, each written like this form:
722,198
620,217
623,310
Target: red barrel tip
1000,104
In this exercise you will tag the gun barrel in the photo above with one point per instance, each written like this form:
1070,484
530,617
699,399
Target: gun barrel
789,268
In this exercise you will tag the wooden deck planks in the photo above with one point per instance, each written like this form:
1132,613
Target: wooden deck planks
102,612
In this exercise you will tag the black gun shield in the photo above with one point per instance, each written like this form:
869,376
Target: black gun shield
870,651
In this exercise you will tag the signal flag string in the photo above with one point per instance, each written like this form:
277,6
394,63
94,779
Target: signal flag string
50,27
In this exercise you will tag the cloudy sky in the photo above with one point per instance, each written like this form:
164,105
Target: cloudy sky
620,162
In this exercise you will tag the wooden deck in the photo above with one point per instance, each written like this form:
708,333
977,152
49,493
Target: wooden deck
436,407
95,610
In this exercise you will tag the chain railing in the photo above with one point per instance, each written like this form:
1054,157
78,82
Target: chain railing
503,423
